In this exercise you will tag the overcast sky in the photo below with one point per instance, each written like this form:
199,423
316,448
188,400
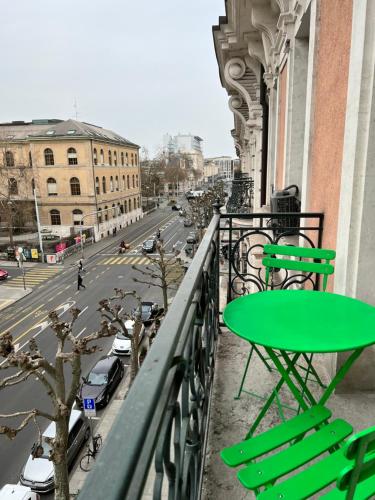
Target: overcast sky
141,68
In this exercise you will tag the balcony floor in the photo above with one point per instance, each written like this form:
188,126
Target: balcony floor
230,418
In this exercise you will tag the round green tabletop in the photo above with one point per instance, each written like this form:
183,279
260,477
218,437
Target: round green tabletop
302,321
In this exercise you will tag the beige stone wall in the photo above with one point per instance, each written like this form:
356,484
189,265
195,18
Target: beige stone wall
329,107
280,158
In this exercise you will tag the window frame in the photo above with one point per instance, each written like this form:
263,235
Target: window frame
75,186
49,157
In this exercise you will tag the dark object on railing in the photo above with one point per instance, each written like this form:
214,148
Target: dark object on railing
283,202
160,433
241,198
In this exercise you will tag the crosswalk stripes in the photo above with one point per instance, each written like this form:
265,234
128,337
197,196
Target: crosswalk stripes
140,260
33,277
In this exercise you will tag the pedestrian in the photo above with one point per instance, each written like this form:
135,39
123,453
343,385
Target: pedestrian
158,234
80,265
114,231
80,280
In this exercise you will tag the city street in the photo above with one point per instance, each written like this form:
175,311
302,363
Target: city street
28,318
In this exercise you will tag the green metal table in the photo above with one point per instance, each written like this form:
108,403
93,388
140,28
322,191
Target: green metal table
288,323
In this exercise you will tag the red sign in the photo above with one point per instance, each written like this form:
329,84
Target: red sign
60,247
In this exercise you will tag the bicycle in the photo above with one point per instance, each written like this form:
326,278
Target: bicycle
88,458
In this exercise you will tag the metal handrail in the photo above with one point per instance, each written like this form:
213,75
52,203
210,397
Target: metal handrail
123,465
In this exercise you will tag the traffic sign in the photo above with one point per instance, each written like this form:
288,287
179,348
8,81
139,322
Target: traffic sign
89,407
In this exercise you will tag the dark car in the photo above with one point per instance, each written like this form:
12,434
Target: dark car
102,381
149,311
192,238
3,274
149,246
176,207
188,222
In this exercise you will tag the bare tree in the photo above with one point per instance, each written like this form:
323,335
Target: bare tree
16,206
163,271
32,364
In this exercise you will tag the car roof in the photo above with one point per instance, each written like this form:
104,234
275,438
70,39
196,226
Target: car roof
50,432
104,364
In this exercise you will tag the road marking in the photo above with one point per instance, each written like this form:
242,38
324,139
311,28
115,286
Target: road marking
19,321
5,303
67,287
91,281
80,333
83,310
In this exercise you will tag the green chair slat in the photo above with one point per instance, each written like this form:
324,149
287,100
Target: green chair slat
298,265
363,491
309,253
309,481
259,445
289,459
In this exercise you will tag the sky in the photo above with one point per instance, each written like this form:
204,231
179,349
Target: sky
142,68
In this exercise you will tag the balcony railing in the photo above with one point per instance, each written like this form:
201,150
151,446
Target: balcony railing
159,438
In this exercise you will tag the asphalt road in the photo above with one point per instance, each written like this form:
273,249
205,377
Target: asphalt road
28,319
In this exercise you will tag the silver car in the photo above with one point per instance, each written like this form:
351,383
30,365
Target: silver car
38,473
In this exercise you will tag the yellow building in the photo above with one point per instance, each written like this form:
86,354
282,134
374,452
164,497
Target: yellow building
83,174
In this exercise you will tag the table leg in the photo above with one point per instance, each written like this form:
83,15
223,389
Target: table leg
302,383
340,375
269,401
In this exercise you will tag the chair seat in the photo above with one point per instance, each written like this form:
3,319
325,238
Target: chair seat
308,481
256,446
287,460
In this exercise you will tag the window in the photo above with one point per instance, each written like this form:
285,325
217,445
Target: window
122,158
136,180
12,186
77,217
75,188
102,157
132,159
127,158
135,203
111,183
121,208
104,185
133,181
51,186
139,202
9,159
106,212
113,210
95,156
123,183
130,205
30,160
48,157
126,206
135,158
71,132
99,215
110,157
115,158
55,218
116,183
72,157
97,185
128,181
50,132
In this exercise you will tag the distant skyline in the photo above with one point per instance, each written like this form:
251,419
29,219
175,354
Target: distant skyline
141,69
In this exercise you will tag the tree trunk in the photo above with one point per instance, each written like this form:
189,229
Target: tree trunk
60,459
10,225
165,295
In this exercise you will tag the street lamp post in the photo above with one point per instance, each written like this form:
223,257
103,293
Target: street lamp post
38,224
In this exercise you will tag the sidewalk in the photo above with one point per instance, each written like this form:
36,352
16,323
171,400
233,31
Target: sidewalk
107,417
9,295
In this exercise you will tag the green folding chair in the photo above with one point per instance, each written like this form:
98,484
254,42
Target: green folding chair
272,263
350,464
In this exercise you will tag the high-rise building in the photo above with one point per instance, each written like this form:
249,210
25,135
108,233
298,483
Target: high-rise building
185,144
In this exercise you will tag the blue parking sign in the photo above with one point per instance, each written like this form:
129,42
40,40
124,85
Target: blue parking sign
89,407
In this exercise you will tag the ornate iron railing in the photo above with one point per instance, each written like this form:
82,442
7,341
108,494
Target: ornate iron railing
241,198
242,240
159,437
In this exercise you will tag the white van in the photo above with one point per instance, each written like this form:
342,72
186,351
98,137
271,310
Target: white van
17,492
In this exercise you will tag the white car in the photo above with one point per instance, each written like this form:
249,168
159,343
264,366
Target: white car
17,492
122,345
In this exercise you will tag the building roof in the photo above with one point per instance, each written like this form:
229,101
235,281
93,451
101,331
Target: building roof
52,129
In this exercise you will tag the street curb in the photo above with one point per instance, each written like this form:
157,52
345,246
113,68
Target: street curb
6,291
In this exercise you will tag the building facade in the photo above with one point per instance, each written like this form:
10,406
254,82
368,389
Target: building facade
300,79
83,175
185,144
226,166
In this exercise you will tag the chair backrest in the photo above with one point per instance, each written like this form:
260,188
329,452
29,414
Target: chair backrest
299,265
360,448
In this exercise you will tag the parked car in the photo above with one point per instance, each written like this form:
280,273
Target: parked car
176,207
38,473
192,237
3,274
17,492
188,222
102,381
149,245
181,212
149,310
122,345
189,250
